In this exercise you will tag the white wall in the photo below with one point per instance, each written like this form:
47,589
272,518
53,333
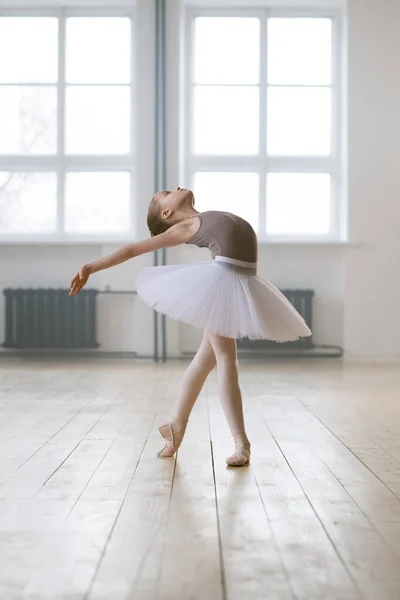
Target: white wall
267,3
124,323
372,283
357,288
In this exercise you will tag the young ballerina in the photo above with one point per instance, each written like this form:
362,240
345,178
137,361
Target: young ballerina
224,297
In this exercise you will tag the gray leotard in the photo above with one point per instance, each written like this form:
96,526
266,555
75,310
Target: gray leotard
225,234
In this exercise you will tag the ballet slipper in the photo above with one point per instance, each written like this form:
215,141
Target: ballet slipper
240,457
173,439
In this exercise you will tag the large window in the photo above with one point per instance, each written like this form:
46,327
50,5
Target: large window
262,135
66,126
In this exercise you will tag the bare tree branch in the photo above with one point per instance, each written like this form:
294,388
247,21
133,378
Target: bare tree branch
33,128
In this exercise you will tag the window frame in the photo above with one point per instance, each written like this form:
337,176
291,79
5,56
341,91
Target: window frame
62,163
262,163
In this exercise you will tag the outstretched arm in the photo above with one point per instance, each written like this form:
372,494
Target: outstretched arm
176,235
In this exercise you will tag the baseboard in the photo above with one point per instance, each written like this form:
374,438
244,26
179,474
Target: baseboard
64,354
372,359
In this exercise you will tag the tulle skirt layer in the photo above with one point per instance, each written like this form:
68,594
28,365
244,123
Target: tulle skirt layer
223,296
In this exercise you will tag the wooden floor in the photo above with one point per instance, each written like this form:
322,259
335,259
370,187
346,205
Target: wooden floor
88,512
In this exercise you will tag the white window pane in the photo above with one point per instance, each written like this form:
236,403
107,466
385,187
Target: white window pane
227,50
98,120
97,202
298,203
237,193
98,50
28,202
28,49
299,121
226,120
299,51
28,120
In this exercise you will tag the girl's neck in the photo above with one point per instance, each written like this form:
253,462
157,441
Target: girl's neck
188,213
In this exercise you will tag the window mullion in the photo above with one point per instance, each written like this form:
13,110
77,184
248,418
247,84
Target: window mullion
336,106
189,97
302,164
263,126
61,90
133,125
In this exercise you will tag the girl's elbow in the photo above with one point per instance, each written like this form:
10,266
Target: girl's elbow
130,251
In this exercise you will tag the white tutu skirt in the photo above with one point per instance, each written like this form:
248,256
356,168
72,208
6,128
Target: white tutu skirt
223,296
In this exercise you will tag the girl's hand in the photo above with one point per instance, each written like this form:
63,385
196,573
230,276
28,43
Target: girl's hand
79,281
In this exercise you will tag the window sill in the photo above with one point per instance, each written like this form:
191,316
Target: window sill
66,241
131,238
310,243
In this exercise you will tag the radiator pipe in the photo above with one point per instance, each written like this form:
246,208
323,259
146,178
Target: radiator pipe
163,100
160,334
160,155
155,254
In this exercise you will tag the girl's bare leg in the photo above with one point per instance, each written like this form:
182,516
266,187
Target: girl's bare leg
196,374
231,396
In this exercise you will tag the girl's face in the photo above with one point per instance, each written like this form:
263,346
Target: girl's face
174,201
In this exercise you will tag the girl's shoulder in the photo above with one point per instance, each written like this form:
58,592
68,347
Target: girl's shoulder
215,214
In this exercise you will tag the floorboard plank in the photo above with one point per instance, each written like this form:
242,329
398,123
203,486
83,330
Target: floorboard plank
88,511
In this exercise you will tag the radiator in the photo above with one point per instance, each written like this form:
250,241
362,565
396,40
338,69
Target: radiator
50,318
302,301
